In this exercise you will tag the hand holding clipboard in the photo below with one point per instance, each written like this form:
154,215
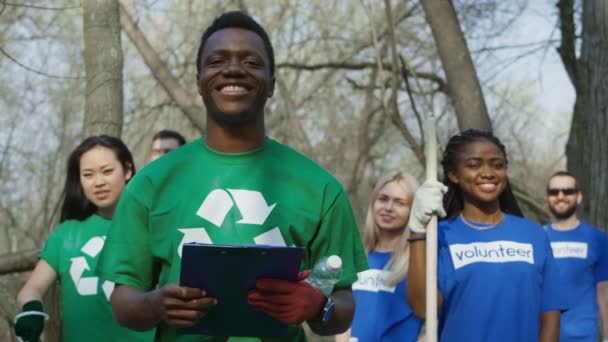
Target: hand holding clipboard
228,273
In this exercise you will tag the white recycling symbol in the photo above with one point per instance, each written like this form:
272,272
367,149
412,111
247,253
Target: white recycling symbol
217,204
87,286
251,204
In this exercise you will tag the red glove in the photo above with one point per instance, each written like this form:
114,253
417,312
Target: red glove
288,302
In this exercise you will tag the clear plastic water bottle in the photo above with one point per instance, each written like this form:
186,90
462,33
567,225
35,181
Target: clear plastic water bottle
326,274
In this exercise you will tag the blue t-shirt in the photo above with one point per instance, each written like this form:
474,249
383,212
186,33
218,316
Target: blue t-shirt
582,256
381,312
496,282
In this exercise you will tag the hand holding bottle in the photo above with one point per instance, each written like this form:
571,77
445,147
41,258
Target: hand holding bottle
326,273
289,302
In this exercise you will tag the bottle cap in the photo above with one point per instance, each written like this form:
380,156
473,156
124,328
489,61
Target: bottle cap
334,262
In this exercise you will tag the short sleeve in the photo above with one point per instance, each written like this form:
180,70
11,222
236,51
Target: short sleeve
51,253
338,234
601,267
126,257
551,296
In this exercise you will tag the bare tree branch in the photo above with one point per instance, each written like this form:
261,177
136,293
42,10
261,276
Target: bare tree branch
429,76
364,140
41,7
14,60
543,43
504,65
395,70
183,98
294,124
359,86
411,96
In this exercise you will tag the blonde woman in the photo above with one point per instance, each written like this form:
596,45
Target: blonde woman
382,313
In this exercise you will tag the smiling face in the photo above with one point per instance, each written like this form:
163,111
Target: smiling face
103,178
235,80
481,174
392,206
563,204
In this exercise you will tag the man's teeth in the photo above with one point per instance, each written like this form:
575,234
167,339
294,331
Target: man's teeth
232,89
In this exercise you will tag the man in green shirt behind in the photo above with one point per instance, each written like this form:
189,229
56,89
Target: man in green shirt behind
232,186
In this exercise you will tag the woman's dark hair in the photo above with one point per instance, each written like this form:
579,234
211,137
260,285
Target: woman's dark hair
452,201
75,204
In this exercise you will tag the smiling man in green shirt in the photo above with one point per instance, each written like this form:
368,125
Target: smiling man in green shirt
232,186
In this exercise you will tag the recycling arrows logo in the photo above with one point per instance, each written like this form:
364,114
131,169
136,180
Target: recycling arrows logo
251,204
87,286
215,207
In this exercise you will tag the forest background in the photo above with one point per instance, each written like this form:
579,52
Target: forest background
354,80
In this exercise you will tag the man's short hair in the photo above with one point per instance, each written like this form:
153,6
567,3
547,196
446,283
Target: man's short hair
236,19
563,174
169,134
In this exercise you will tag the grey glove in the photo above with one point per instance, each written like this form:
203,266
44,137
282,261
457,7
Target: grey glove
428,201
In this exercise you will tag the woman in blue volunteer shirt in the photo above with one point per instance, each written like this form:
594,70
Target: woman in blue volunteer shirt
382,313
496,275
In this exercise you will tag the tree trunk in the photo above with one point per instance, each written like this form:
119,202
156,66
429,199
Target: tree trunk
5,238
16,262
587,147
103,68
463,85
6,217
52,306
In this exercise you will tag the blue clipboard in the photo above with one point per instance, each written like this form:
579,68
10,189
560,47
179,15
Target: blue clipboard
228,273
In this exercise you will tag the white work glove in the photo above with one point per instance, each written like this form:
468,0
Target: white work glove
428,201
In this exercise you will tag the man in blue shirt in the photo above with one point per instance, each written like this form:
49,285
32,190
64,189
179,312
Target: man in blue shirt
581,252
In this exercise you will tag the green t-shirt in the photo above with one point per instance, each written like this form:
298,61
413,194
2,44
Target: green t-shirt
72,250
272,195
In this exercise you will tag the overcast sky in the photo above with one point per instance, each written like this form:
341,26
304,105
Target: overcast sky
544,69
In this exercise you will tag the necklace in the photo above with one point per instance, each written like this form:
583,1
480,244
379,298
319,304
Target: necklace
481,227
